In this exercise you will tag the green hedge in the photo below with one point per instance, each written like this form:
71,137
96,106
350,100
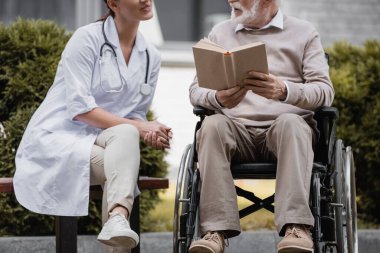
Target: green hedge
355,73
29,55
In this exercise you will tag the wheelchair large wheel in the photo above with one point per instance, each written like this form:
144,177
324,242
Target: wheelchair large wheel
181,204
349,197
186,203
344,198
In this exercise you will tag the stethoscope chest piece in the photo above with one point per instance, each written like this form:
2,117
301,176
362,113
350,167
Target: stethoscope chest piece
146,89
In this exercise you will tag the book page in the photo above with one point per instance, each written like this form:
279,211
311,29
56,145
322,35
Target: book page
229,69
249,59
210,67
209,45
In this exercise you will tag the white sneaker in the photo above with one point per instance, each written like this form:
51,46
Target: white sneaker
116,232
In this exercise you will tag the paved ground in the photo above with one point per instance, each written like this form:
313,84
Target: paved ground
248,242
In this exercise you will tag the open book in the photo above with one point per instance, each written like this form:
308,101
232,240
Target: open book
219,69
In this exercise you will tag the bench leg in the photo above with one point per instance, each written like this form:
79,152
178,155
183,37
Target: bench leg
135,221
66,234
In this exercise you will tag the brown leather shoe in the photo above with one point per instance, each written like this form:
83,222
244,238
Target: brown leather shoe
297,239
212,242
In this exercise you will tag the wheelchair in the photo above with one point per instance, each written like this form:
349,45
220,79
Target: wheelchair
332,190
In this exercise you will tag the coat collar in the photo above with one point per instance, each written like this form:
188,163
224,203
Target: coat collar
138,50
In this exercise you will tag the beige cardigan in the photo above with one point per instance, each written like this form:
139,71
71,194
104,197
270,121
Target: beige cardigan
295,55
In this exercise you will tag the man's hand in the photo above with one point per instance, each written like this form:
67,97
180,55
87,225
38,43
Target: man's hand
231,97
155,134
268,86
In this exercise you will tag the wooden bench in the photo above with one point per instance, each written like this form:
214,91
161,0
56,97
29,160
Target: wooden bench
66,227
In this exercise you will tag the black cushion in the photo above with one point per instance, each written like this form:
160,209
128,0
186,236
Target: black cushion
262,170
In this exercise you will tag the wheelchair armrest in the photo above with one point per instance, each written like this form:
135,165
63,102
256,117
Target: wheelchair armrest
201,111
327,111
326,118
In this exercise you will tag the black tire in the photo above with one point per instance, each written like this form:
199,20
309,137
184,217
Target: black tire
192,215
316,207
345,200
349,195
338,190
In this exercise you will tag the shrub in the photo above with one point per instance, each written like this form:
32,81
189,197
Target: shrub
29,54
355,73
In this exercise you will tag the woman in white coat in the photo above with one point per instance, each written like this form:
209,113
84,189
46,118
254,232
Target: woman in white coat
87,129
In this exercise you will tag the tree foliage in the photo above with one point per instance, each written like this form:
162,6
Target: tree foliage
29,54
355,73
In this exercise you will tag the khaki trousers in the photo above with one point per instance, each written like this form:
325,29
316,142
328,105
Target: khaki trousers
220,141
115,162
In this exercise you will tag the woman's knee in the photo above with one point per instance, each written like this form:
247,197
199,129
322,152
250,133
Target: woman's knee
126,132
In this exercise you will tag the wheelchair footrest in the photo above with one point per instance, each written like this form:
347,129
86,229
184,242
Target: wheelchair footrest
328,228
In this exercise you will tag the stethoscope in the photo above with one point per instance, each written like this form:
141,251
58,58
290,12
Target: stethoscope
145,88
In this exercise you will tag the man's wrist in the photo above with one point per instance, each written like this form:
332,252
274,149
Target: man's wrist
284,91
217,100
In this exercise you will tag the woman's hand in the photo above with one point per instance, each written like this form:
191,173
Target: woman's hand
155,134
268,86
231,97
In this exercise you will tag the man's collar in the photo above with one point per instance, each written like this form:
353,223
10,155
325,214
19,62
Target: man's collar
113,37
277,21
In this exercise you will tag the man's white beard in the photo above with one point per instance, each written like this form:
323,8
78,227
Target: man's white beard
247,15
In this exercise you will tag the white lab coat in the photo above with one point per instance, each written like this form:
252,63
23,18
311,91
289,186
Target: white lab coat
53,159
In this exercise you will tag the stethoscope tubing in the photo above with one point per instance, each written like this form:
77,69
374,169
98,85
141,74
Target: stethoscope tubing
107,43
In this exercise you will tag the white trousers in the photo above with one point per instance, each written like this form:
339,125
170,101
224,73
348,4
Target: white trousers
115,163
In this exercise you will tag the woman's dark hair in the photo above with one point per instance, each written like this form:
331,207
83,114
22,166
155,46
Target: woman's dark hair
109,13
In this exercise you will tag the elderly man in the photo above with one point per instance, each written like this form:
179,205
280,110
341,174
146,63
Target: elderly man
269,119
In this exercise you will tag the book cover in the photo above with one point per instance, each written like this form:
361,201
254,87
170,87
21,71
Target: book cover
218,68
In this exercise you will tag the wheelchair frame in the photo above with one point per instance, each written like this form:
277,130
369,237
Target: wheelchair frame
332,190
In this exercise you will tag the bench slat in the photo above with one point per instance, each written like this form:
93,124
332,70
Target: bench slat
66,227
6,185
145,183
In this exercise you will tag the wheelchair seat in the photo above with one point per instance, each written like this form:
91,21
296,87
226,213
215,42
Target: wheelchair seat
263,170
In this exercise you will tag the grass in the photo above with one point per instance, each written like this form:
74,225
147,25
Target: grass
367,225
162,216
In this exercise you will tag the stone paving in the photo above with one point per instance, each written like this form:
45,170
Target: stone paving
247,242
